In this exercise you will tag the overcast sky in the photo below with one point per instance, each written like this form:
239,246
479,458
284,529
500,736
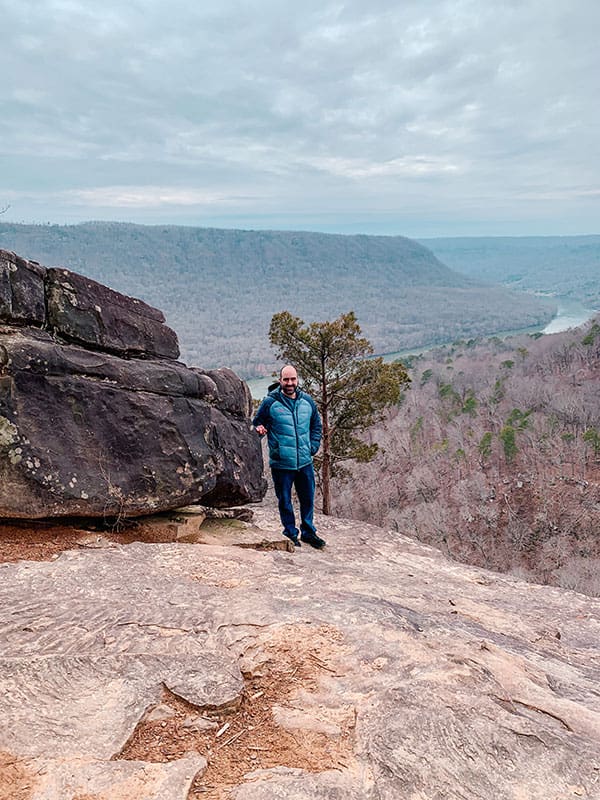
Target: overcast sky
413,117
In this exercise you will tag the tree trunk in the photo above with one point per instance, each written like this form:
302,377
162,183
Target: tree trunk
326,464
325,475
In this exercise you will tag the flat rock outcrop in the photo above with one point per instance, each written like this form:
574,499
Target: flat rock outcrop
98,418
375,670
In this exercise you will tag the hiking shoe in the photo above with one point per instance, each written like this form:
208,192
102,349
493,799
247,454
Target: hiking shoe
313,540
293,537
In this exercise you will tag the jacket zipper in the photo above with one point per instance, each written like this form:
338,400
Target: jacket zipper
294,417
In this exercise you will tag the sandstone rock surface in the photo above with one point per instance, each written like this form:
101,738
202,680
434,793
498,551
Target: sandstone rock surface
403,675
97,418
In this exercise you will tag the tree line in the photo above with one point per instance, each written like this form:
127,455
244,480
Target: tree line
220,288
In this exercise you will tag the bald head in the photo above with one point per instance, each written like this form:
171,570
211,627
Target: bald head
288,380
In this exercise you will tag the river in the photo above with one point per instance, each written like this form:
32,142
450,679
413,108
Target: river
570,314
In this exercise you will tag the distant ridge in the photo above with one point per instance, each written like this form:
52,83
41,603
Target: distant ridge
566,265
219,288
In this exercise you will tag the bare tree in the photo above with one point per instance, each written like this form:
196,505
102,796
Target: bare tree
447,481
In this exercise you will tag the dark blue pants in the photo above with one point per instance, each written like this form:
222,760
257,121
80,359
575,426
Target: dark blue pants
303,480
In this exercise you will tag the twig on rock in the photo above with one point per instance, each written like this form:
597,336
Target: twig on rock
232,738
222,730
320,662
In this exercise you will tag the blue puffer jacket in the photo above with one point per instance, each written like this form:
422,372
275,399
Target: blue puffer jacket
293,428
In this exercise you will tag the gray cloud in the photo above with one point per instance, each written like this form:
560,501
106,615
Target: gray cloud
419,118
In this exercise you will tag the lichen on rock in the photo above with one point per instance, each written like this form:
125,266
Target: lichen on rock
114,424
9,434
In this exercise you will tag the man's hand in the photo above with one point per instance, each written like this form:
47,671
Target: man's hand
261,429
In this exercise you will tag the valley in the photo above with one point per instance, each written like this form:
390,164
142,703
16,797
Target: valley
219,288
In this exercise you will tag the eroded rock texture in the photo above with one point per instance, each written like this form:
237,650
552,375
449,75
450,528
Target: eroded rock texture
98,418
89,313
405,675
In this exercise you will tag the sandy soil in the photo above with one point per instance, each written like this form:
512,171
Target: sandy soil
249,738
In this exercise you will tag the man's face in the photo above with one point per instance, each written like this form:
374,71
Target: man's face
288,381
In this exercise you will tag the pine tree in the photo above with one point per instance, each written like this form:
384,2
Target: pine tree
350,387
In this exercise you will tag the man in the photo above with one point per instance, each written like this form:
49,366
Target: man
292,423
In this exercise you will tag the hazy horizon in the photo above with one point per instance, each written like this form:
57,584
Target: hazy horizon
5,219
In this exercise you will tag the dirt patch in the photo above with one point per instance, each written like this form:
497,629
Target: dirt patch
17,782
295,658
44,540
36,541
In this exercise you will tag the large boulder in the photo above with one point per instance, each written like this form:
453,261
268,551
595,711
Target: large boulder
97,418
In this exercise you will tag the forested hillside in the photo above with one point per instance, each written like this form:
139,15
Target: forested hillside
566,265
220,288
494,457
